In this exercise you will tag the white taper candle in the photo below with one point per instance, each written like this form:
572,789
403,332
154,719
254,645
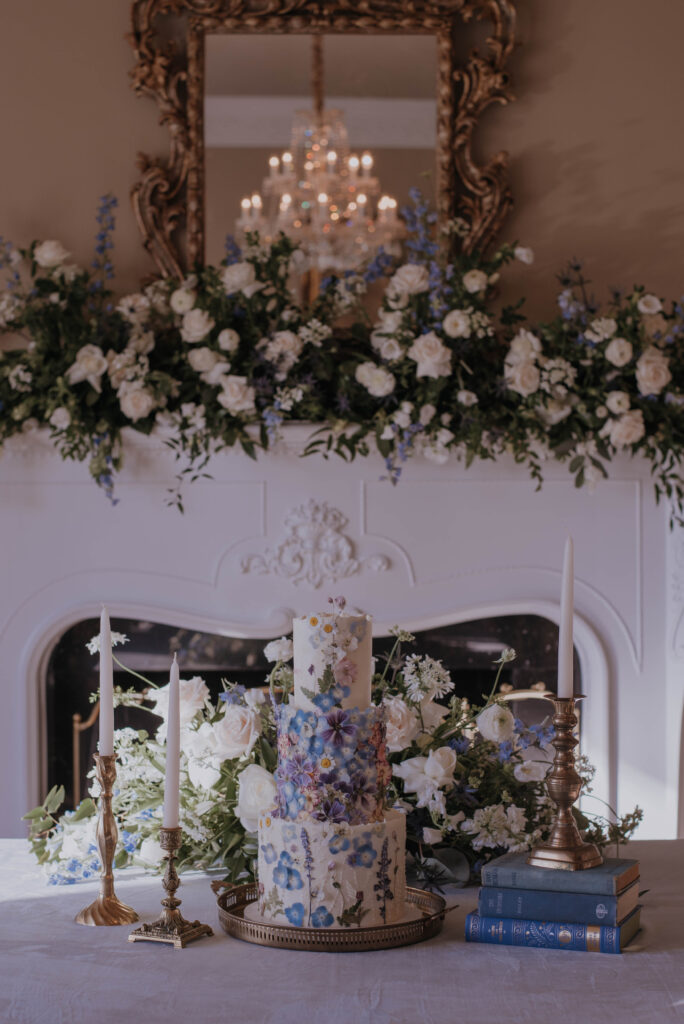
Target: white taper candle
172,776
565,667
106,745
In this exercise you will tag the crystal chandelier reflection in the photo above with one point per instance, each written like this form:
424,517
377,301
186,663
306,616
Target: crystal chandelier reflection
322,195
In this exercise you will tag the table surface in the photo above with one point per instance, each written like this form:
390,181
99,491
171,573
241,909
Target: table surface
53,971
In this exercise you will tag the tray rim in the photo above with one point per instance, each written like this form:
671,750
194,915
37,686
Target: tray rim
331,940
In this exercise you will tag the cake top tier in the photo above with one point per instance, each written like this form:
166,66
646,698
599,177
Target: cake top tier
333,655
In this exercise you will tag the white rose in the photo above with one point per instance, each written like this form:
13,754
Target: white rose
495,723
390,349
182,300
396,300
196,325
555,410
256,795
237,732
50,254
151,851
192,695
456,324
217,374
228,339
402,419
523,378
402,723
240,277
652,372
202,359
648,304
136,402
475,281
203,773
389,320
142,343
617,402
618,352
90,365
279,650
440,766
467,398
531,771
376,379
426,413
524,347
412,771
432,836
601,328
61,418
628,429
204,763
411,279
523,254
236,396
431,355
78,838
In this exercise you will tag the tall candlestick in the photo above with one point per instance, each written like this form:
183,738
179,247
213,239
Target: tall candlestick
565,666
106,746
172,776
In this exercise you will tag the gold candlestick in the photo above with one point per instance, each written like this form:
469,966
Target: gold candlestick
171,927
565,849
107,908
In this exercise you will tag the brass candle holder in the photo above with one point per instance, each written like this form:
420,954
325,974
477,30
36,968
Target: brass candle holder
107,909
171,927
565,849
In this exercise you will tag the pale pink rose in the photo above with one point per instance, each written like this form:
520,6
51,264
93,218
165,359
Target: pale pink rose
617,402
237,732
202,359
196,325
475,281
411,279
136,401
652,371
456,324
192,695
524,347
376,379
236,395
228,339
240,277
50,254
402,723
628,429
649,304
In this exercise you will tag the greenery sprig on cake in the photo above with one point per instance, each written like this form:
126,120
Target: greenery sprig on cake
229,354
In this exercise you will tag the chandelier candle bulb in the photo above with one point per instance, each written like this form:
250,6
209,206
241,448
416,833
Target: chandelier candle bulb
353,165
172,774
106,745
565,666
366,165
274,166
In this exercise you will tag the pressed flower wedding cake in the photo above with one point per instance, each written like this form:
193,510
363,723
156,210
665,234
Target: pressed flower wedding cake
330,853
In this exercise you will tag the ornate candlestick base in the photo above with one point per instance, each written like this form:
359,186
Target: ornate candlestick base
565,849
106,909
171,927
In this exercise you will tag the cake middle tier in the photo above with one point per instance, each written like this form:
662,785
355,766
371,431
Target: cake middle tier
332,766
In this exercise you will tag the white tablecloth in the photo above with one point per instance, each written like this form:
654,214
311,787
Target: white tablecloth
53,971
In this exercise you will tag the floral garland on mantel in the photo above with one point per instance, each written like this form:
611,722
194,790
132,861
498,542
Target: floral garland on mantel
227,355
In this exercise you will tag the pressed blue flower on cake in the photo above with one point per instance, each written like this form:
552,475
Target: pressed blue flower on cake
269,853
322,918
295,914
285,876
363,853
339,843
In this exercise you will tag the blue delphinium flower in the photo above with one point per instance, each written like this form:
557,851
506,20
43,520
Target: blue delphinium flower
104,243
505,750
460,746
234,695
233,250
380,266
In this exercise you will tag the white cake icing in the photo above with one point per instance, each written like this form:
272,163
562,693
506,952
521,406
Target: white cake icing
343,642
323,874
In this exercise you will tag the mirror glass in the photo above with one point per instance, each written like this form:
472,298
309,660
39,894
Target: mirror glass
378,89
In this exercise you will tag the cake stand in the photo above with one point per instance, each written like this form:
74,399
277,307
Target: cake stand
424,918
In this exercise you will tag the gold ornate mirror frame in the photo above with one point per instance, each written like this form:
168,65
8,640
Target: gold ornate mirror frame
168,39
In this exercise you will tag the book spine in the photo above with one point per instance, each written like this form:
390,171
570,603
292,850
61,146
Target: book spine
506,931
595,883
538,905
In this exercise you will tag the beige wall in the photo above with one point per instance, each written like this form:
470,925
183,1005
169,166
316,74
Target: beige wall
595,137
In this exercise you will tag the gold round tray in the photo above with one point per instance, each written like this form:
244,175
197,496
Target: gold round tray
429,908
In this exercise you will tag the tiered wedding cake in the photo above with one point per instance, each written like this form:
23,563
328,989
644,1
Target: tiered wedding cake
330,854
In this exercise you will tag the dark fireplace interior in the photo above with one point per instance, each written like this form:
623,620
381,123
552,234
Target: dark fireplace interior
468,650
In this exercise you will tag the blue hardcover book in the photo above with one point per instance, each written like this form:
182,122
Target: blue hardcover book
513,872
584,938
574,907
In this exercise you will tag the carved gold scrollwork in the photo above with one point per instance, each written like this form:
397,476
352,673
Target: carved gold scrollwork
169,197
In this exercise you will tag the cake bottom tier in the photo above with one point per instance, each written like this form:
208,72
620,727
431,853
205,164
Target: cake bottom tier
319,874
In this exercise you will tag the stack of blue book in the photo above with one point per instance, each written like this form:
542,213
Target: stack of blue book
593,911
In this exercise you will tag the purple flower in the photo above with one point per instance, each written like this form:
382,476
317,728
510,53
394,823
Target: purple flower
331,810
339,729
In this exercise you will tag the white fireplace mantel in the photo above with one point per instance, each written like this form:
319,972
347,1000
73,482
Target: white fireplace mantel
263,540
